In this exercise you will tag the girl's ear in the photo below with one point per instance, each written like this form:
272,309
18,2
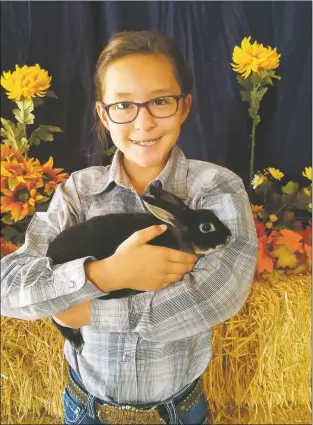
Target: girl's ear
102,115
187,101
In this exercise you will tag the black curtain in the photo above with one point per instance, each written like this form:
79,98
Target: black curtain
66,38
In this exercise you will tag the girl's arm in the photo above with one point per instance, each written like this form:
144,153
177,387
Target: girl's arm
201,299
33,288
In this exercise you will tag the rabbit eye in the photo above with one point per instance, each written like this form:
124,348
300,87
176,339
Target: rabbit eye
207,227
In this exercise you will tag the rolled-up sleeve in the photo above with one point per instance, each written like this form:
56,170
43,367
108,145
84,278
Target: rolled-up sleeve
203,298
31,286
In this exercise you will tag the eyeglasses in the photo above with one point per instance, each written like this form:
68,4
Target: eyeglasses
159,107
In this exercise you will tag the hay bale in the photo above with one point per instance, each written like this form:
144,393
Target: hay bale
260,372
33,372
261,369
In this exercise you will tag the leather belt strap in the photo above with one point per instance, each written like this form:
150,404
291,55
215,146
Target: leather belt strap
127,414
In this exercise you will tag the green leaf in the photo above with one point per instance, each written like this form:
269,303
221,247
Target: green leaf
12,234
245,83
245,95
23,114
256,97
43,132
291,188
50,93
14,134
274,201
37,101
256,78
111,150
8,132
7,219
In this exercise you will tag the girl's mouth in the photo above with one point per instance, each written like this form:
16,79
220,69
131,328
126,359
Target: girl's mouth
146,143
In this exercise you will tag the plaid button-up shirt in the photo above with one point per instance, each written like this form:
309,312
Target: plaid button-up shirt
144,348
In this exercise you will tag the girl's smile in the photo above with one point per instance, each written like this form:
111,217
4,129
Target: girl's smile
146,141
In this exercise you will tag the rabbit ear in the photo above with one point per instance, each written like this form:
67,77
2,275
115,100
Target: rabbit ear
160,213
167,198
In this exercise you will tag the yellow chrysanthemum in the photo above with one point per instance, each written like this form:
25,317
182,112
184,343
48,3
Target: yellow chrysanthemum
26,82
257,180
307,173
269,224
277,174
253,57
273,217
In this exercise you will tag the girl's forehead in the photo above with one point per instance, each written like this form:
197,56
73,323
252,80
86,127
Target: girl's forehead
140,74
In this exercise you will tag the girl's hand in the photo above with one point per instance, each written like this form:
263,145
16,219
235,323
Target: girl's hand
137,265
76,316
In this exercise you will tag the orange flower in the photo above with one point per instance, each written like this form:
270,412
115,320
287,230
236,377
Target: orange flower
289,215
7,151
51,176
3,182
6,247
21,201
19,172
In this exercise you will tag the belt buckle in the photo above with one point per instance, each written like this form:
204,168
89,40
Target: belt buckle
114,415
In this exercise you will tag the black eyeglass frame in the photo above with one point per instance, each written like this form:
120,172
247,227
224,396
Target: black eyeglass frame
142,105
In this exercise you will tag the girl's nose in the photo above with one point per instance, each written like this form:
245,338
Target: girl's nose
144,120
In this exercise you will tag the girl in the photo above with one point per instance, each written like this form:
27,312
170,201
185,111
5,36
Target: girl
143,355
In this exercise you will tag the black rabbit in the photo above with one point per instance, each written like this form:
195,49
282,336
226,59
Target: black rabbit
194,231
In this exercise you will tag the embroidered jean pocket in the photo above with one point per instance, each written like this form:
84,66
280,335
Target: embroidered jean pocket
198,414
74,411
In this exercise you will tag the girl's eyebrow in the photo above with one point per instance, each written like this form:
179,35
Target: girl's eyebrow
154,92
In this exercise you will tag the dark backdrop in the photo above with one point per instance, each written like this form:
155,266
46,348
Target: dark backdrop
66,37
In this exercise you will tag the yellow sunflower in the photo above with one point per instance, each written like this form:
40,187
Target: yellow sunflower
307,173
257,180
253,57
26,82
277,174
51,176
21,201
18,172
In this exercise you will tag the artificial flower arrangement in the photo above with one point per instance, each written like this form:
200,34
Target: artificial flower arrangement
285,242
26,185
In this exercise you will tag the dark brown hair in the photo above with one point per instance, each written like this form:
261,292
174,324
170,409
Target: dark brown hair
131,42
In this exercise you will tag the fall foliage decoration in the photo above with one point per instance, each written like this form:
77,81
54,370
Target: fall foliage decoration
26,184
255,65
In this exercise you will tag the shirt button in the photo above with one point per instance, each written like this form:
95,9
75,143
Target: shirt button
126,358
72,284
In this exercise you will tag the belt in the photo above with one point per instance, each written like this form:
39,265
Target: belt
126,414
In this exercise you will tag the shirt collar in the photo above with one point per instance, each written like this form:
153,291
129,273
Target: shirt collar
173,177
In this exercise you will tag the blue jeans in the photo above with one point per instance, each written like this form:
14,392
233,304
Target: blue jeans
76,413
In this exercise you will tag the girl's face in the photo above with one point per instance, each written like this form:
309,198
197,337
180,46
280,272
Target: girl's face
139,78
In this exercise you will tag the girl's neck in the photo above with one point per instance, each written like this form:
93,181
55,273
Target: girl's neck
140,177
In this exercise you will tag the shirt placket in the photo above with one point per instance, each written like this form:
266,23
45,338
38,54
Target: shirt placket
127,382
